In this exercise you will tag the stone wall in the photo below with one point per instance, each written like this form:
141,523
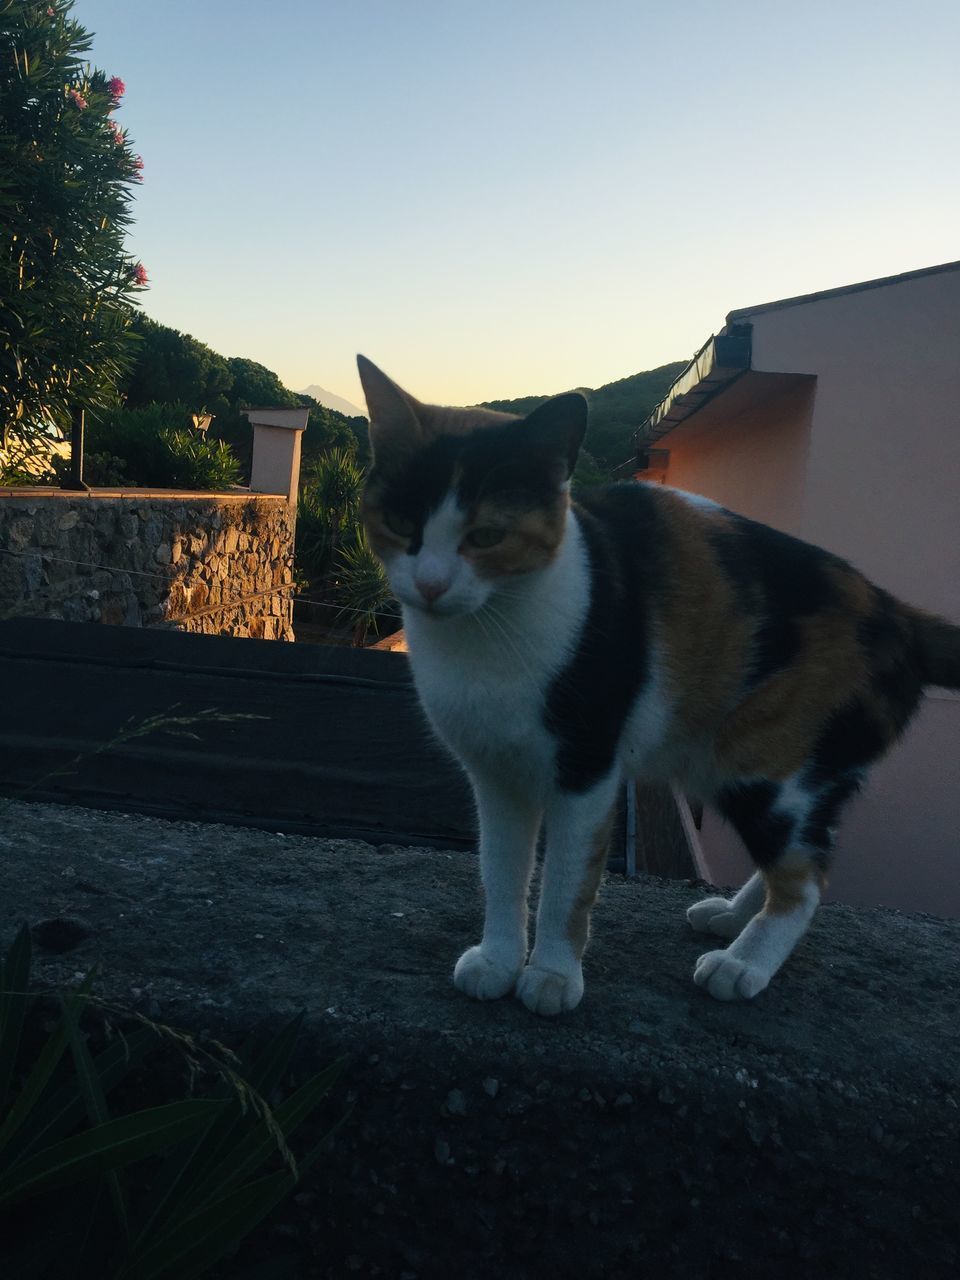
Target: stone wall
215,563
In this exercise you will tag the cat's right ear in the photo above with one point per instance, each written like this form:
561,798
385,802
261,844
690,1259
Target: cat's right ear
394,424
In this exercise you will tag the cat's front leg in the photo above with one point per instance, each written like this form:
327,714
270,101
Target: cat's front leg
509,823
578,836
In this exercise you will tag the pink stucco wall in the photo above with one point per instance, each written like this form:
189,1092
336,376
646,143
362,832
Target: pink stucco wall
750,452
883,473
867,465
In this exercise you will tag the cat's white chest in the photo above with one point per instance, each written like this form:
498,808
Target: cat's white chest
483,682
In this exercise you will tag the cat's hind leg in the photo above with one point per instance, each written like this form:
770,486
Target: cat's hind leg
788,830
726,917
792,890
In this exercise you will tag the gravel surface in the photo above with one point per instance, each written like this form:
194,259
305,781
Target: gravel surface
813,1132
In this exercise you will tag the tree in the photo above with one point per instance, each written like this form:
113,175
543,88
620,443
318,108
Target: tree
329,508
170,367
66,176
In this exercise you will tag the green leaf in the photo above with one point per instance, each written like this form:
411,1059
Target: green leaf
36,1082
63,1110
94,1098
107,1146
201,1239
246,1156
178,1182
14,981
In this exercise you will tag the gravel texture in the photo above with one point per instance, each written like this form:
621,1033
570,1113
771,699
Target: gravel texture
813,1132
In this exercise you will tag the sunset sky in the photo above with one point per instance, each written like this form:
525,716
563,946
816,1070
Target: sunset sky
508,197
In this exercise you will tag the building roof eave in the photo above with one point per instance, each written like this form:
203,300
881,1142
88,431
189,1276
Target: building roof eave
720,361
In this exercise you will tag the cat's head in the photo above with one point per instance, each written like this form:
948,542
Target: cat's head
460,501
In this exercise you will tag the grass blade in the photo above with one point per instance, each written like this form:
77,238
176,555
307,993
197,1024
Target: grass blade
107,1146
14,983
39,1077
94,1099
179,1181
255,1147
64,1109
204,1237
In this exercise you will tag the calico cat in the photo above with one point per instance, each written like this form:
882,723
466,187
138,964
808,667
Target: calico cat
559,647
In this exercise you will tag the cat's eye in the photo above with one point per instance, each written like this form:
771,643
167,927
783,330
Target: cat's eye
484,536
397,524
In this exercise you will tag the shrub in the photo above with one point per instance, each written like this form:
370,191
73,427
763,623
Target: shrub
66,171
150,447
224,1159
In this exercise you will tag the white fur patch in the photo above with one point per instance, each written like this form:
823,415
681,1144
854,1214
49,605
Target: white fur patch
745,968
483,677
697,500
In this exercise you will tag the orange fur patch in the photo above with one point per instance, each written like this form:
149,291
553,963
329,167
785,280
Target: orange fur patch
787,881
531,540
578,925
704,635
774,729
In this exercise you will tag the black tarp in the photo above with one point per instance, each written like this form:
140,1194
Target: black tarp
338,746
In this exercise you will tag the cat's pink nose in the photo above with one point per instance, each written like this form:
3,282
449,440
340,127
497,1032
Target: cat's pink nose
431,590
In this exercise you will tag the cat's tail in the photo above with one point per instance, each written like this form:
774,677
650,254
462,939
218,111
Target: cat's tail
938,643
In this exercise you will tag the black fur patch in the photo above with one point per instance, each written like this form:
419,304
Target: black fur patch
780,578
495,463
817,831
749,810
850,740
896,674
588,703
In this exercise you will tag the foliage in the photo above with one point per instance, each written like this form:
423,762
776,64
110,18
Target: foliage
66,173
170,367
28,462
226,1162
361,588
152,446
328,509
194,462
587,472
616,410
173,368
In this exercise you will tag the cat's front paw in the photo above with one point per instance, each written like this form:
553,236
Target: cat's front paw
547,992
716,916
727,978
485,974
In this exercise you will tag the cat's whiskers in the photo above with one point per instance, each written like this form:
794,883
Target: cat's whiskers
508,637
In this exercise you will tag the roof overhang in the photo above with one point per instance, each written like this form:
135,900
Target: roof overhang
719,362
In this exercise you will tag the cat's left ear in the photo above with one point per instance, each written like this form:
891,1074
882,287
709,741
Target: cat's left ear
559,425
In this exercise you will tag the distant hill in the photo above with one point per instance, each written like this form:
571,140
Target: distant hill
616,410
331,401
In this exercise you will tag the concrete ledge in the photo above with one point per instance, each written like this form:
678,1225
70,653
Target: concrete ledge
653,1132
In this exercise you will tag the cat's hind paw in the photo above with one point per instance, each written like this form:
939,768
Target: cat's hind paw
548,993
727,978
485,976
716,916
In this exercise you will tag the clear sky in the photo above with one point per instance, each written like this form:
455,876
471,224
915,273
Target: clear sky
506,197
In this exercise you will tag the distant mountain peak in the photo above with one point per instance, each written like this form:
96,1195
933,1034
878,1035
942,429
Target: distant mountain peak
331,401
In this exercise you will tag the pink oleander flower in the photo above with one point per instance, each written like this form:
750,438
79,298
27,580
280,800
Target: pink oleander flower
116,88
51,13
79,101
140,275
117,132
